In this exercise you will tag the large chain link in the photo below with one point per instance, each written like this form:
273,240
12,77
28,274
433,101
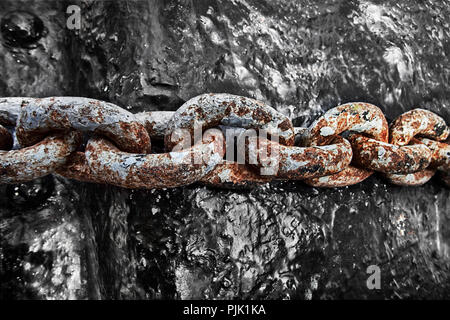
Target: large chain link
344,146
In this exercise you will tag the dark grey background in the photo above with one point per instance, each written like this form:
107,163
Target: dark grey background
65,239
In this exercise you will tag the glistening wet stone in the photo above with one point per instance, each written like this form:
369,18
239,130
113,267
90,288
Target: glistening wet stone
22,29
282,240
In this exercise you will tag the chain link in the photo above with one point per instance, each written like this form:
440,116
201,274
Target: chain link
359,117
344,146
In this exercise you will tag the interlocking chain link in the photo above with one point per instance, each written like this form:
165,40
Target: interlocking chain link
95,141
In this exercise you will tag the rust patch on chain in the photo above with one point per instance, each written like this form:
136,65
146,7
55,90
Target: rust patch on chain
38,117
417,122
210,110
359,117
38,160
320,156
233,175
10,109
423,123
440,157
349,176
356,116
77,168
155,122
411,179
107,164
6,140
296,163
388,158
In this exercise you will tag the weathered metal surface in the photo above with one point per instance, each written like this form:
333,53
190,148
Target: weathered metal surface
347,177
210,110
296,163
385,157
404,128
357,116
155,122
41,116
76,167
230,174
38,160
10,110
440,157
167,170
417,122
411,179
38,117
6,140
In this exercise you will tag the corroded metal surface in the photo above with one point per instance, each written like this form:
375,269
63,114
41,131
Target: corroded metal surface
317,156
10,110
76,167
417,122
41,116
357,116
210,110
440,154
347,177
38,160
424,123
411,179
296,163
230,174
167,170
155,122
385,157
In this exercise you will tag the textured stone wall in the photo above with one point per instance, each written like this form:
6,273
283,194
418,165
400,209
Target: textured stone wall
65,239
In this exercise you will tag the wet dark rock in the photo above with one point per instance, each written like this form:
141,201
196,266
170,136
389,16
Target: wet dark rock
30,194
44,249
41,69
66,239
22,29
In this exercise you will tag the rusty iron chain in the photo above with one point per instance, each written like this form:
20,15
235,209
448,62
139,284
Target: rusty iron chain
95,141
